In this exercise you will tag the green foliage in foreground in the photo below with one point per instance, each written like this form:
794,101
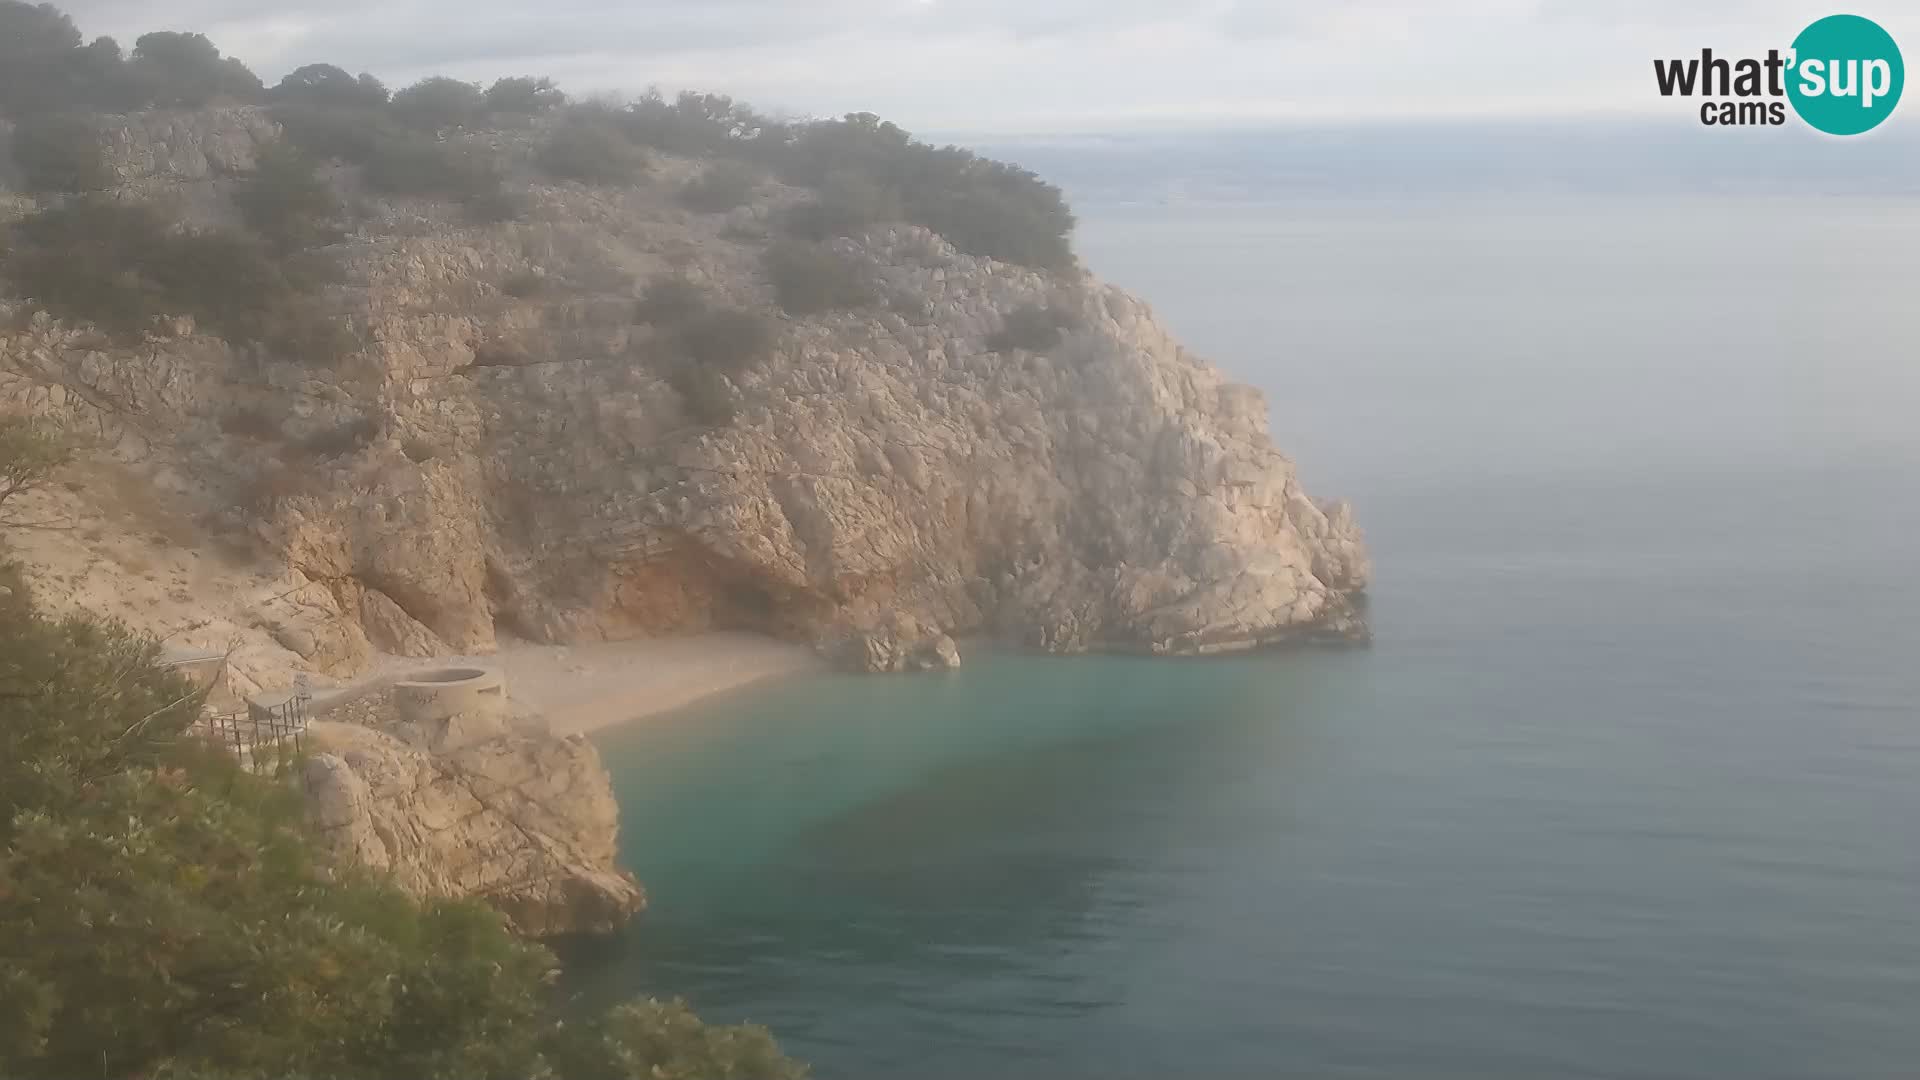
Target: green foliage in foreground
163,914
30,454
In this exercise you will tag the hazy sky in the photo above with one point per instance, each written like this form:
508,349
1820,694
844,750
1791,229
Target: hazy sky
1024,65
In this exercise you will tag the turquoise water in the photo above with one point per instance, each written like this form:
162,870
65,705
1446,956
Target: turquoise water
1624,788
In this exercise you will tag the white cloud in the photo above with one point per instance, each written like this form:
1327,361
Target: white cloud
1019,65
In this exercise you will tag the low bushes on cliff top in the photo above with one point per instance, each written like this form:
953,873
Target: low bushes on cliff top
120,265
812,278
44,68
706,395
593,152
728,339
721,187
285,202
393,158
326,129
695,124
524,95
60,152
669,301
446,170
982,206
326,85
846,203
1033,327
184,70
164,914
439,102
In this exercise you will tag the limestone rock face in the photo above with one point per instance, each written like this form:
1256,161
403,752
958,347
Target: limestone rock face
886,481
524,461
388,626
183,144
525,822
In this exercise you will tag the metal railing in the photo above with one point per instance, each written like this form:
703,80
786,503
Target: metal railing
265,739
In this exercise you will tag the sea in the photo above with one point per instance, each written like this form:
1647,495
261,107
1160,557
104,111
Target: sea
1627,785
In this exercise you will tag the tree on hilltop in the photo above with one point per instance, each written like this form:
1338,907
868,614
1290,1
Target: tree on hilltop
524,96
186,71
440,102
324,84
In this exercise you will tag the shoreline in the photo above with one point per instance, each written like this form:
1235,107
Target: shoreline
582,689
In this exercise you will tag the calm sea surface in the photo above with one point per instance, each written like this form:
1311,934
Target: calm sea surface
1627,787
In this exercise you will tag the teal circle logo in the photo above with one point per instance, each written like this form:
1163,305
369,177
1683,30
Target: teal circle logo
1846,75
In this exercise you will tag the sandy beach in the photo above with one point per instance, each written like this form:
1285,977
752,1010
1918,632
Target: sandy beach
583,688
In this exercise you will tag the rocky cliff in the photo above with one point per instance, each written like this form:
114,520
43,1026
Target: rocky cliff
507,453
476,808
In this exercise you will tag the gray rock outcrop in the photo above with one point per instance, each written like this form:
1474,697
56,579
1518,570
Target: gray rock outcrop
520,820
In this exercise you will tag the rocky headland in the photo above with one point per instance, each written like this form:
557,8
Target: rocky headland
513,446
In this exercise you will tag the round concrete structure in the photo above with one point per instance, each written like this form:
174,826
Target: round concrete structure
423,697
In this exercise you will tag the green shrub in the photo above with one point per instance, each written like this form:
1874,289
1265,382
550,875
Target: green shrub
94,260
1031,327
398,160
695,124
328,86
185,71
353,133
439,102
119,265
444,170
285,202
35,40
981,206
164,914
721,187
31,30
44,68
273,482
30,455
524,96
592,153
812,278
524,284
728,339
60,153
669,301
251,422
847,203
652,1040
705,395
305,335
496,207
